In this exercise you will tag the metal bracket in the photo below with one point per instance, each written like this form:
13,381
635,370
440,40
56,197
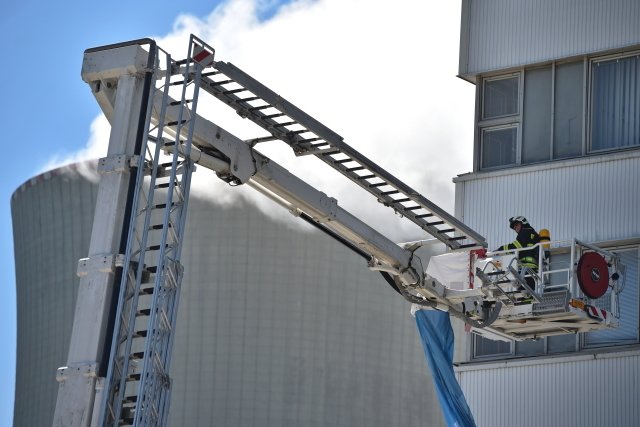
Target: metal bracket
100,263
330,208
84,369
117,163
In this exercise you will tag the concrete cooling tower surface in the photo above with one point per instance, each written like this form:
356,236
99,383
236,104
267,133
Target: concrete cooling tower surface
277,325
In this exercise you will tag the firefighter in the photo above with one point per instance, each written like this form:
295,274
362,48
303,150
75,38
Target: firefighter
526,237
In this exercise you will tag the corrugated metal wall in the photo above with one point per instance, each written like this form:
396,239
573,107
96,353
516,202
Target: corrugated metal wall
277,326
592,199
509,33
594,390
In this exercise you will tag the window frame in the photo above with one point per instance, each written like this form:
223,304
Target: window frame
589,94
498,122
482,123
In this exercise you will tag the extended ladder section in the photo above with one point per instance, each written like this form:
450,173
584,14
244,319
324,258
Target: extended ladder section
306,135
137,387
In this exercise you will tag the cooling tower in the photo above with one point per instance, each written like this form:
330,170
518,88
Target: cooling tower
277,325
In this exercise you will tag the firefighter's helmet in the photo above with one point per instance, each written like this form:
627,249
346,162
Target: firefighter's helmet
517,219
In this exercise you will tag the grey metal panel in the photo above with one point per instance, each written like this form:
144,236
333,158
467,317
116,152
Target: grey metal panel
582,391
593,199
511,33
277,325
52,218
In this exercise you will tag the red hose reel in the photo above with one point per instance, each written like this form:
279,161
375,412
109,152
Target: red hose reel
593,274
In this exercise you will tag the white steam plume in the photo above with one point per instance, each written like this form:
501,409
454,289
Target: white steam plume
380,74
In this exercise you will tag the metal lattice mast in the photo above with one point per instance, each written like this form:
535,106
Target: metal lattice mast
137,387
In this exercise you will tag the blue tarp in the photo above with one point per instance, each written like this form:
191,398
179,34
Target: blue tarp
437,341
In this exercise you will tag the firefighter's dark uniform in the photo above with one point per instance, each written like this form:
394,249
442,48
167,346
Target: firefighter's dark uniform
526,237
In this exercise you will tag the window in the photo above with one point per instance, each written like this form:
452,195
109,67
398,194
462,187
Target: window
499,146
549,113
500,97
536,132
568,101
499,125
626,333
615,107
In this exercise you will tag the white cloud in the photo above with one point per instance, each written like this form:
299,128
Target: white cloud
381,74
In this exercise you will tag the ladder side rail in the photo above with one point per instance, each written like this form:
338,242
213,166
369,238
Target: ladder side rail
148,377
158,348
155,159
189,166
337,142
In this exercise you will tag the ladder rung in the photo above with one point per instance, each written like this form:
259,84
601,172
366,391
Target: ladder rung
412,208
251,98
457,238
156,247
406,199
367,176
164,205
378,184
137,355
134,377
424,215
130,399
356,168
431,224
447,230
146,291
140,334
226,92
144,312
168,164
272,116
220,83
186,101
174,123
210,73
279,125
330,152
160,226
312,140
343,161
387,193
261,107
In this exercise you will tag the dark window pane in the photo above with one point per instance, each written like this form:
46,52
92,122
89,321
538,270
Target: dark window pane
485,347
530,348
616,104
561,343
499,147
567,133
500,97
536,122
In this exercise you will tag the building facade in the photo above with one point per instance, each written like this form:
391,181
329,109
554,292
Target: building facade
278,325
557,140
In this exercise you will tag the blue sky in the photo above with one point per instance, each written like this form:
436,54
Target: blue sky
49,109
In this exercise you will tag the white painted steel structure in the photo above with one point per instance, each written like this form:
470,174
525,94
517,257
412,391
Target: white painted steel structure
504,34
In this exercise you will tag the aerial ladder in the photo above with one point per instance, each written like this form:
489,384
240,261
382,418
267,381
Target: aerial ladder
119,358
